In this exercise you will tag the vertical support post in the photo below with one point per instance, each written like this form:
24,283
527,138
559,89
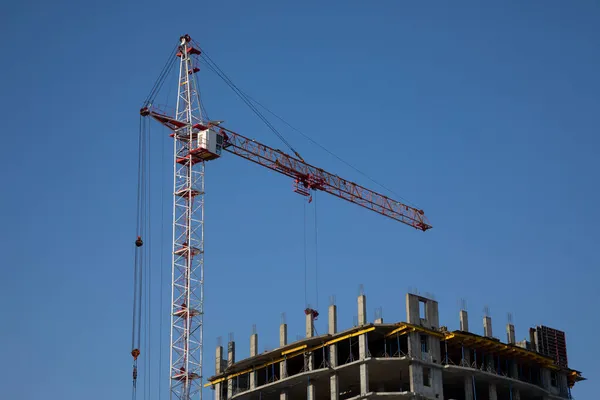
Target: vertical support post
514,393
230,362
362,310
253,352
514,370
487,326
310,324
469,381
446,351
493,394
334,387
283,341
219,368
510,333
424,379
498,370
308,357
469,388
310,390
464,321
363,345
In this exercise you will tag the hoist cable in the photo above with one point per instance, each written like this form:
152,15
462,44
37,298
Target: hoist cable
305,262
148,247
247,97
330,152
316,253
139,254
162,225
219,72
161,77
213,67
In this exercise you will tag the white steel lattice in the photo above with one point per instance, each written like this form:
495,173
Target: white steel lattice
187,299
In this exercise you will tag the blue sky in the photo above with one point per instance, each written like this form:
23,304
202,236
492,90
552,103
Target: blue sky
484,116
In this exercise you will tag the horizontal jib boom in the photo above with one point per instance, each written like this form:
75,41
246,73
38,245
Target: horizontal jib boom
318,179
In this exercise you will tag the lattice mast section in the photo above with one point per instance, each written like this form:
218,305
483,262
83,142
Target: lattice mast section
188,237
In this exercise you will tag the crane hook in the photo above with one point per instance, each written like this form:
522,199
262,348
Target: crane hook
138,242
135,353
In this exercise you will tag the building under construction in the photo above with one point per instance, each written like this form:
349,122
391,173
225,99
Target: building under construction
417,359
403,360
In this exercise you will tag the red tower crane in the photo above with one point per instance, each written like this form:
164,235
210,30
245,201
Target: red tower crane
197,141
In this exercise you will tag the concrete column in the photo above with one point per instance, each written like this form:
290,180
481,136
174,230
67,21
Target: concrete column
516,394
283,342
487,326
493,392
491,365
310,391
364,368
563,383
514,370
310,325
230,362
510,334
308,358
362,309
253,352
546,380
415,370
415,373
334,385
533,339
424,311
310,329
378,321
218,370
362,345
469,388
332,326
230,353
464,321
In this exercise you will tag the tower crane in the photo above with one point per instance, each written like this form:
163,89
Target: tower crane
196,142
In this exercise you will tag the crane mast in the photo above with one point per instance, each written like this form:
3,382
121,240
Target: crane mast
196,141
187,290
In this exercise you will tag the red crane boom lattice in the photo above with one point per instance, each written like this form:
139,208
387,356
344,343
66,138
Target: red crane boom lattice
306,176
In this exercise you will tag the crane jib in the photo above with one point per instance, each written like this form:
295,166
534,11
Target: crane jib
315,178
306,175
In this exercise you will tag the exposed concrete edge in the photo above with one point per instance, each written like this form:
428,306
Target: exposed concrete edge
518,384
285,382
388,395
407,359
309,342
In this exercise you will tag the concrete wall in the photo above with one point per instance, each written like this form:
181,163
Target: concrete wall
414,305
425,367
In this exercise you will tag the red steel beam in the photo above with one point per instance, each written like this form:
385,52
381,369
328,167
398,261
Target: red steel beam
308,176
316,178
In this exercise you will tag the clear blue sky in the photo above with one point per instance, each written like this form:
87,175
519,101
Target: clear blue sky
486,117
